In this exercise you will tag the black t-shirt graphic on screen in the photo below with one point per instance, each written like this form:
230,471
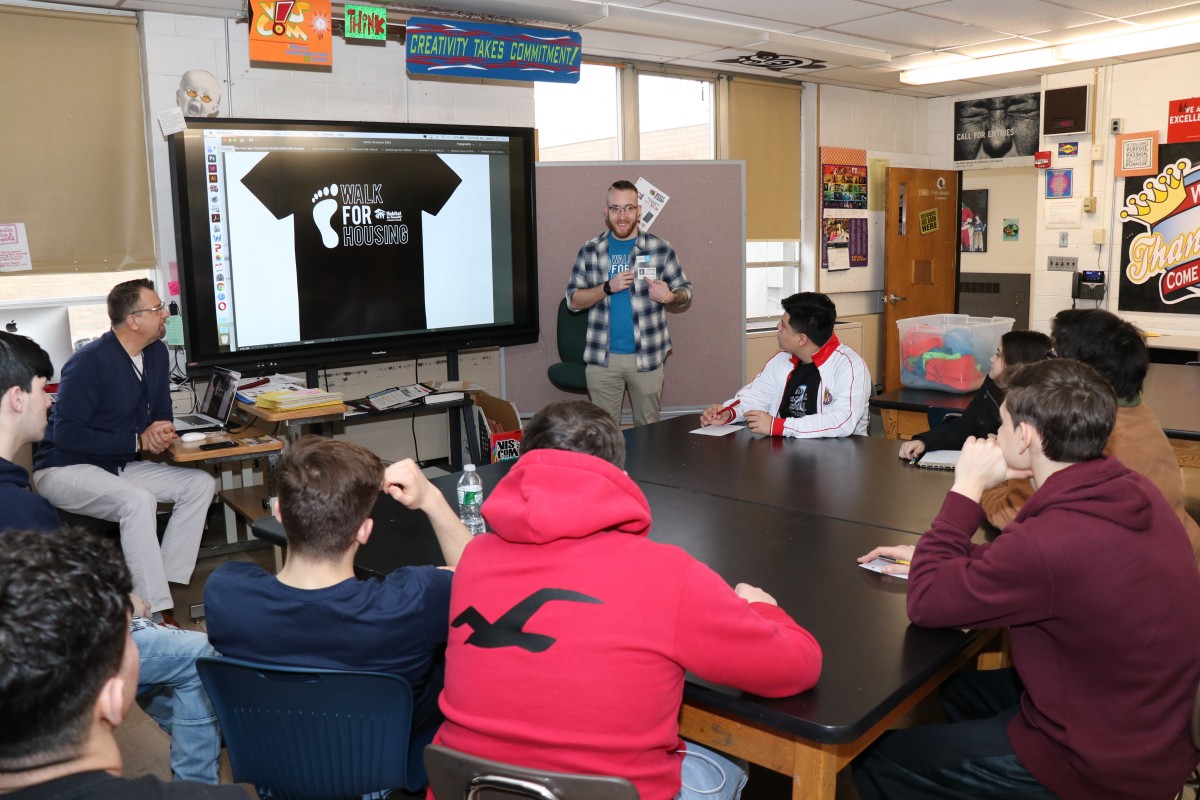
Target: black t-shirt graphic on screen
800,394
359,238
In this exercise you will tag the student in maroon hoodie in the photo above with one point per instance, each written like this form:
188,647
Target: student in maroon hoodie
570,631
1095,581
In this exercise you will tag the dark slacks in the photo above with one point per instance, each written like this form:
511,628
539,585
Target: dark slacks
970,757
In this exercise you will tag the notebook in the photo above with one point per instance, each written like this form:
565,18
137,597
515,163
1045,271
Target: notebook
217,405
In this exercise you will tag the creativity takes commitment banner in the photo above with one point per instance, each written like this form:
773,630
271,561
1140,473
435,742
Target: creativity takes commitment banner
502,52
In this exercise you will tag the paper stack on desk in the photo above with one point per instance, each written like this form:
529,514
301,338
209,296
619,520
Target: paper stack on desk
295,399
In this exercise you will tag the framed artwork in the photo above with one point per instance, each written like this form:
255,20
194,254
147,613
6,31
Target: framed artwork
973,217
1137,154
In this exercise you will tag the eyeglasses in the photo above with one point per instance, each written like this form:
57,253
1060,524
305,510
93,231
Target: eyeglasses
156,309
619,209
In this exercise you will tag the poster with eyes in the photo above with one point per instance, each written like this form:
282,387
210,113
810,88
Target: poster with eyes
1001,131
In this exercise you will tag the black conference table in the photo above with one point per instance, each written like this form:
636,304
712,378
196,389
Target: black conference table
853,478
877,665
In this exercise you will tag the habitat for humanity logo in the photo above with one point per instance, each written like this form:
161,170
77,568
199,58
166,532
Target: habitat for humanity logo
354,208
1169,207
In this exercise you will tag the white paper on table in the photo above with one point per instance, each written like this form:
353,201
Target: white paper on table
877,565
14,248
718,430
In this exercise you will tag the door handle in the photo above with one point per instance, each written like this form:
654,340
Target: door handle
893,299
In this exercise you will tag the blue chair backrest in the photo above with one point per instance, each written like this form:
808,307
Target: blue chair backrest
315,734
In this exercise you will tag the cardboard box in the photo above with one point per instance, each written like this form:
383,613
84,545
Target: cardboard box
499,427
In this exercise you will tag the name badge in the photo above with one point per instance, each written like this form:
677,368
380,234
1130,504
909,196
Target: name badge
647,273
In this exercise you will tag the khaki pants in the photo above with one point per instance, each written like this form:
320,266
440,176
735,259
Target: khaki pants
607,385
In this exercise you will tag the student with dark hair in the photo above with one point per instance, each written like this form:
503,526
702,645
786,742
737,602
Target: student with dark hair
1116,349
1095,582
114,404
814,387
982,416
594,682
69,672
316,612
168,689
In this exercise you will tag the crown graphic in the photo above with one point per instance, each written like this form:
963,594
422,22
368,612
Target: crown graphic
1162,195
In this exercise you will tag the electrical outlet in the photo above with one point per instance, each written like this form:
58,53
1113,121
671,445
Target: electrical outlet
1115,124
1062,263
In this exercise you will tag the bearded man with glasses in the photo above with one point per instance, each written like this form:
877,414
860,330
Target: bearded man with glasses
625,278
114,404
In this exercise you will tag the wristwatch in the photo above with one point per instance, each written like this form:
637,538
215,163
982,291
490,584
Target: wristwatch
607,288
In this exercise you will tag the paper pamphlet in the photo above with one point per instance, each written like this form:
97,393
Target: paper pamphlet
718,430
877,565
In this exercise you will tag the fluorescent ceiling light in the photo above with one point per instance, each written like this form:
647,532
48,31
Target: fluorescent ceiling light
1146,41
978,67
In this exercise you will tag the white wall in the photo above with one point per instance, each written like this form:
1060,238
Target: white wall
887,126
1137,93
366,83
1011,195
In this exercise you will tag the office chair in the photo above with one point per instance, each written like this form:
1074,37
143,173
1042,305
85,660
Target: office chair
568,374
315,734
940,416
458,776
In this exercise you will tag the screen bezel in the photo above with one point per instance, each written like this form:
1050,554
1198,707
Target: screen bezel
195,260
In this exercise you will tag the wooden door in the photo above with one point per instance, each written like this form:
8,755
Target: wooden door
921,243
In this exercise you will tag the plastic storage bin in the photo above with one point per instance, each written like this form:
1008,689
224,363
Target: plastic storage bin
948,352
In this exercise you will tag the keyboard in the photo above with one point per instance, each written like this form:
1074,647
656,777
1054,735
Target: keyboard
192,419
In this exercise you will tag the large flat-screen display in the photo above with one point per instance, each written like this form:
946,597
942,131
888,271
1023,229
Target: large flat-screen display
311,243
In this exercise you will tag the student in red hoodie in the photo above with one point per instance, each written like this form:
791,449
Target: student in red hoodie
570,631
1096,583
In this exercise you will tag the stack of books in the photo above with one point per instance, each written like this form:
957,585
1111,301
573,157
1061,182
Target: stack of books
296,399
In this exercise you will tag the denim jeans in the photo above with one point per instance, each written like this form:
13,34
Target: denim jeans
169,690
709,775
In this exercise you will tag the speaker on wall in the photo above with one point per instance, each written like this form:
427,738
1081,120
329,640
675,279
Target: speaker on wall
1065,110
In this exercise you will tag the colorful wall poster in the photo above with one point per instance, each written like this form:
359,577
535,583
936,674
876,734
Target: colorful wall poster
1058,183
1011,230
299,33
1183,120
973,216
1160,236
844,204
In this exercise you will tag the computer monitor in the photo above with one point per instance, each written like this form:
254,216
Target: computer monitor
306,243
49,326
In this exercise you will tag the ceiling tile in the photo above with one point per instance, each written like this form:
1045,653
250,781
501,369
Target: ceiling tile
810,13
1125,8
615,44
650,23
1011,16
914,30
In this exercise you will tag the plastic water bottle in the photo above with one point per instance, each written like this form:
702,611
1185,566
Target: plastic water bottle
470,498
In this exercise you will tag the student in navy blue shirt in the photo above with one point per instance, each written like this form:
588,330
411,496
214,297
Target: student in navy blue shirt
315,612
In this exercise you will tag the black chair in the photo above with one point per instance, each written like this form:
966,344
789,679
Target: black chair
315,734
454,775
569,373
940,416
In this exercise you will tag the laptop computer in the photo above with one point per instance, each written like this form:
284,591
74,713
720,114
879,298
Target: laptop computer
217,405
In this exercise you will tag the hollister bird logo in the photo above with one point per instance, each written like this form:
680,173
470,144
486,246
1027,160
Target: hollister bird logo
507,631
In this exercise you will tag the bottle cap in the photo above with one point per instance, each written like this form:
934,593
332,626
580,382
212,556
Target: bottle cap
468,467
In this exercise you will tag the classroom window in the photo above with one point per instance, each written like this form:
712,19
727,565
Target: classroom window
772,273
579,121
675,118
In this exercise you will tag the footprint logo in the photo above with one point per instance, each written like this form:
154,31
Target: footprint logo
325,205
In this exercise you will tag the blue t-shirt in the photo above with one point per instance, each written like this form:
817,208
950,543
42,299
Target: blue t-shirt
620,310
397,625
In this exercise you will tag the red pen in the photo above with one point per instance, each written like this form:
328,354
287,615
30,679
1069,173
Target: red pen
729,408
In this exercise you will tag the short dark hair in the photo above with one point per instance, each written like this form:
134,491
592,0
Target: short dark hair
1116,348
578,426
621,186
1021,347
1068,402
22,360
64,622
123,298
326,489
812,314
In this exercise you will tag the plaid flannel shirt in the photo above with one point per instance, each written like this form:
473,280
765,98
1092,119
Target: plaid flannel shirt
649,317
